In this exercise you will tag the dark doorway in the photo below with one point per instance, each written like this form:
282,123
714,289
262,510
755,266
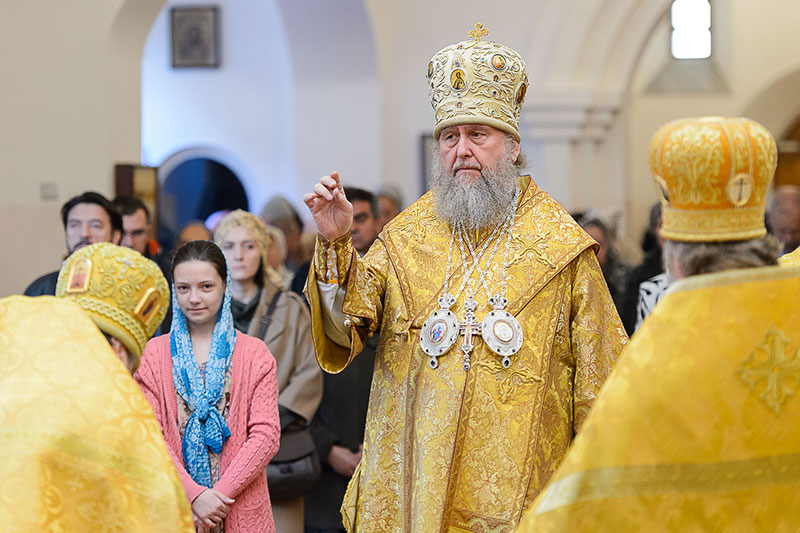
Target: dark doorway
192,191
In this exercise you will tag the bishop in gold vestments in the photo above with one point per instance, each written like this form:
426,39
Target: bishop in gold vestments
80,449
463,436
455,450
698,427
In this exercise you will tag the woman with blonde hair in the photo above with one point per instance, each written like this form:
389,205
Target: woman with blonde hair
262,308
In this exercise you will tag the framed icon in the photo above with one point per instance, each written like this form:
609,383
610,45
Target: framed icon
195,37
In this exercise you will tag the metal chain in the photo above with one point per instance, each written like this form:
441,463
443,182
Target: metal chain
508,247
467,272
507,225
449,260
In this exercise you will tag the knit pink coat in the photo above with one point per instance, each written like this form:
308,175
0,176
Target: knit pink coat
252,419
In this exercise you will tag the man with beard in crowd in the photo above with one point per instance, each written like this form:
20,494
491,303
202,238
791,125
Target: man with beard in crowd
497,329
87,218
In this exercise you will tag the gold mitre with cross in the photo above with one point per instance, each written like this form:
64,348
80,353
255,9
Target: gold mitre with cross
477,82
711,176
124,293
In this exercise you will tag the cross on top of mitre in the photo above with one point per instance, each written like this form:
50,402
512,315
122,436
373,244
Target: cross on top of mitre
478,32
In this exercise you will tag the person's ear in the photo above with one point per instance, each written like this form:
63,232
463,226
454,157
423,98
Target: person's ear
122,354
116,236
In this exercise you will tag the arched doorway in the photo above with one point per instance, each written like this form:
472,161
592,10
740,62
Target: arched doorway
193,190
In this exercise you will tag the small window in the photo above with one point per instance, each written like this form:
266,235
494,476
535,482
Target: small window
691,29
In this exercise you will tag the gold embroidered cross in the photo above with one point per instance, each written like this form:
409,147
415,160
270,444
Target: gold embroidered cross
478,32
771,370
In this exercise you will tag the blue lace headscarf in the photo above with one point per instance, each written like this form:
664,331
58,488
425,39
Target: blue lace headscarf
206,428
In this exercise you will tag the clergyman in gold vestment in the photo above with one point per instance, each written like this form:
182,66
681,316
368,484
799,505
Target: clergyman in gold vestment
80,449
697,428
466,422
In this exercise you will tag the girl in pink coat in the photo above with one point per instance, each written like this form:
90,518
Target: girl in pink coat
214,392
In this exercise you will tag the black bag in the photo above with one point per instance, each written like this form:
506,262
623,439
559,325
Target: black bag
295,469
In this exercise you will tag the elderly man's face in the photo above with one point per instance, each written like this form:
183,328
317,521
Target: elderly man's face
467,148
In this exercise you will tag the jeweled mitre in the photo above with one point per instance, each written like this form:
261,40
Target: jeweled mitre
477,82
124,293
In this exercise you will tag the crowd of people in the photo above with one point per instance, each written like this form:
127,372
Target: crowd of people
463,364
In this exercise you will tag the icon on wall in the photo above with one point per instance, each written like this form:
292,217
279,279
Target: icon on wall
195,37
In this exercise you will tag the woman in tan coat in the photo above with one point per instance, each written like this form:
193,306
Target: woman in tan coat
286,331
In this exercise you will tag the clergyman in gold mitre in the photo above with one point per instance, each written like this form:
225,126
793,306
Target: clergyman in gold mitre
477,82
122,291
497,328
697,429
80,449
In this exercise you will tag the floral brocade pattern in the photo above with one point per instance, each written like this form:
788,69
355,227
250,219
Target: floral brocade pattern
693,432
447,449
711,175
478,81
118,287
81,449
695,177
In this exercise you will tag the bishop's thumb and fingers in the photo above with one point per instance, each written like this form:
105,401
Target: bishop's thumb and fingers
332,212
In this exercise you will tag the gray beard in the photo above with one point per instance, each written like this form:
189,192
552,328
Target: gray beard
483,203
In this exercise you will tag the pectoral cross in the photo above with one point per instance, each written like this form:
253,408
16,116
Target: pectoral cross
468,328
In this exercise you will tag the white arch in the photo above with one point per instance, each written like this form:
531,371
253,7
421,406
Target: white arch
126,38
584,55
777,106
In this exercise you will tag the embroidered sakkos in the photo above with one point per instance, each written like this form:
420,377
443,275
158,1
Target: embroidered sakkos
468,450
697,428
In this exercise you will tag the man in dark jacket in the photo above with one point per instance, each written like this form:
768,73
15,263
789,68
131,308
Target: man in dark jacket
338,426
87,218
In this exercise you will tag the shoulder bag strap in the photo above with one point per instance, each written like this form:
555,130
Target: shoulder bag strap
267,318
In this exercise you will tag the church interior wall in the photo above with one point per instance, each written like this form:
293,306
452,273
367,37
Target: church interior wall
756,47
243,107
55,111
72,96
336,93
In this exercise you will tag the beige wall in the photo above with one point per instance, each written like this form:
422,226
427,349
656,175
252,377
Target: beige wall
69,110
755,47
71,96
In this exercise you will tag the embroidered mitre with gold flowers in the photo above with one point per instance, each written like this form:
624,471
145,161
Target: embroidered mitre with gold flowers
124,293
712,175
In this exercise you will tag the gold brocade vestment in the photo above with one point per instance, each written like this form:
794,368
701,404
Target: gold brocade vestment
80,449
698,428
449,450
